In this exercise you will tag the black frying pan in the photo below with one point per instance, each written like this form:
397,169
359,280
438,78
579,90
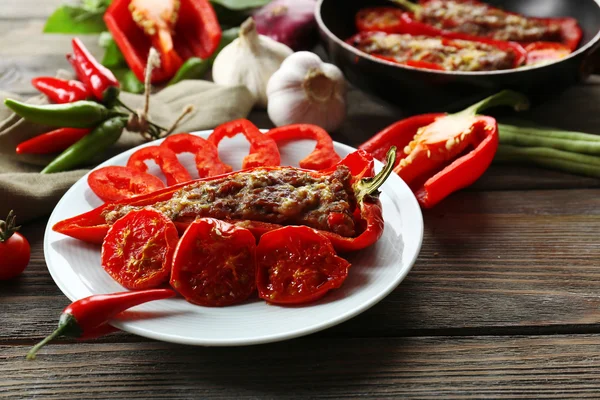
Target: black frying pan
428,91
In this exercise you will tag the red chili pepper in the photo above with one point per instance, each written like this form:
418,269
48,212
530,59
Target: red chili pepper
205,153
444,153
88,317
98,79
545,52
263,149
323,156
569,31
166,160
196,33
61,90
92,226
53,141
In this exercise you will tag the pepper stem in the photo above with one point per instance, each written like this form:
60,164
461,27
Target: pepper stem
504,98
369,186
407,5
67,325
8,227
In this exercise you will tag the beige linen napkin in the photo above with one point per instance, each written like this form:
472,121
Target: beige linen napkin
31,195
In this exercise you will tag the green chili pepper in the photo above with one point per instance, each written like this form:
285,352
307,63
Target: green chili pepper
98,140
195,68
79,114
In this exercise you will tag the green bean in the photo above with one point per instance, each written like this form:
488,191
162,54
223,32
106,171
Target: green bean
550,133
517,137
550,158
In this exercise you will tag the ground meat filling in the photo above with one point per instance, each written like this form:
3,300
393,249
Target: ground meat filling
280,196
452,55
482,20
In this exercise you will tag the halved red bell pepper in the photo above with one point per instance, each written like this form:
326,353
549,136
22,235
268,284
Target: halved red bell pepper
570,32
444,153
178,29
92,226
545,52
323,156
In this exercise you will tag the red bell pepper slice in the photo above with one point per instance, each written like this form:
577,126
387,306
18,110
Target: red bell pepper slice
61,91
197,33
166,160
117,183
444,153
51,142
323,156
205,153
546,52
92,226
263,149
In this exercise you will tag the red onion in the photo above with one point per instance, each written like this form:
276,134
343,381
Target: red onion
291,22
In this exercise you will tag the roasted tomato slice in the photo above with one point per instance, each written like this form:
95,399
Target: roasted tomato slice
118,183
214,264
165,158
138,249
296,264
382,19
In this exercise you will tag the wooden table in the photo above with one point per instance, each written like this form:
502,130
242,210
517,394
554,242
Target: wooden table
503,301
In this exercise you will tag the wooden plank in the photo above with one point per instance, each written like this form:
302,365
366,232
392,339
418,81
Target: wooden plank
525,261
548,367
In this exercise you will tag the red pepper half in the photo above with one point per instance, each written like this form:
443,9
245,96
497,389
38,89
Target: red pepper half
263,149
570,31
205,153
89,317
546,52
323,156
53,141
188,29
444,153
165,158
61,90
92,226
97,78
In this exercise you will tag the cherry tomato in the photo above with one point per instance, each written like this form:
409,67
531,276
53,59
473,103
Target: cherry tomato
166,160
546,52
138,249
14,249
214,263
383,19
296,264
117,183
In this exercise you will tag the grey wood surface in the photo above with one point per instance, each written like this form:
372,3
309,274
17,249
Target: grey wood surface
503,301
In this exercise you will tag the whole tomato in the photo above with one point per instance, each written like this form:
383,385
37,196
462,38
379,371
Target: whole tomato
14,249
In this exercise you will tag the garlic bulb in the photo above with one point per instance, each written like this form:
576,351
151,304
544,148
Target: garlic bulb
307,90
250,60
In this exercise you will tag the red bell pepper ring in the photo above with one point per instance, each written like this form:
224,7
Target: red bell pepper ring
167,161
263,149
323,156
99,80
570,31
444,153
51,142
546,52
61,91
196,33
205,153
92,226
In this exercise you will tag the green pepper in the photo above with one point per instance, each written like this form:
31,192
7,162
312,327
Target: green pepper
98,140
79,114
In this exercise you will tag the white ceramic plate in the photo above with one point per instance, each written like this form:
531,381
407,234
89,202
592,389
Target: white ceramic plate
375,272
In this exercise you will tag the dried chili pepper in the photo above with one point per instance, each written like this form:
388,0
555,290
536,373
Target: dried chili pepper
61,90
98,140
444,153
366,212
205,153
53,141
166,160
99,79
180,30
263,149
89,317
323,156
80,114
471,18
